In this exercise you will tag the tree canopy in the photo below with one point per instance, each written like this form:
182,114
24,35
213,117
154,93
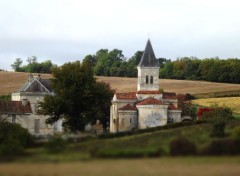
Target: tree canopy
79,99
33,65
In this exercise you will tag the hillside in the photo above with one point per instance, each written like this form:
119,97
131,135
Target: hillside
11,81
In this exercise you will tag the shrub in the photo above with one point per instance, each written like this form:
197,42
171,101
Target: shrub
13,139
182,146
218,129
56,145
236,133
222,147
218,117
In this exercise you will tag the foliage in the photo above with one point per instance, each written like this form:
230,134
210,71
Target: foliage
5,97
56,145
182,146
218,117
188,109
222,147
208,69
236,133
33,66
13,139
218,129
79,98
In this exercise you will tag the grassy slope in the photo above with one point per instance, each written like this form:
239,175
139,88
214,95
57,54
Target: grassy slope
198,133
76,160
11,81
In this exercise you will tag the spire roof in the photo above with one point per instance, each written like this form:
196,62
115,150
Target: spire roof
148,58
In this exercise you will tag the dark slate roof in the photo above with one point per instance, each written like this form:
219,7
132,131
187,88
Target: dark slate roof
37,85
148,58
14,107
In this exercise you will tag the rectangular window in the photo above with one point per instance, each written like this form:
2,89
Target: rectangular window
147,79
151,80
36,126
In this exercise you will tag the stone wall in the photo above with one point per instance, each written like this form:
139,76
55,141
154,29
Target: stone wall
127,120
174,116
152,115
148,71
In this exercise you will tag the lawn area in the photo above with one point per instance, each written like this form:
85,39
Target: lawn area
187,166
231,102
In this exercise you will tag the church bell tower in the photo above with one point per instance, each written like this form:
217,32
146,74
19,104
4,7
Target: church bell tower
148,70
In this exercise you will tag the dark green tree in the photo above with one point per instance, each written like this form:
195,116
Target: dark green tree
17,65
79,99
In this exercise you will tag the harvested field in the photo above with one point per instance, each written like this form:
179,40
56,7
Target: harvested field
231,102
222,166
169,85
11,81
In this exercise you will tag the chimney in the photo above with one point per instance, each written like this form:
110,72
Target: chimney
30,78
24,102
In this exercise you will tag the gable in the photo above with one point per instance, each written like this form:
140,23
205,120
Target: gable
37,85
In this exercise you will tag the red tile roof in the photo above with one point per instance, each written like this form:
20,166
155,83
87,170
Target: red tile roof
128,107
170,95
172,107
150,101
128,95
14,107
148,92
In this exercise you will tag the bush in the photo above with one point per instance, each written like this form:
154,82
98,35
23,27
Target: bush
219,118
13,139
222,147
218,129
56,145
182,147
236,133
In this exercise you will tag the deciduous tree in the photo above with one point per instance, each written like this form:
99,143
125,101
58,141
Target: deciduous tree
79,99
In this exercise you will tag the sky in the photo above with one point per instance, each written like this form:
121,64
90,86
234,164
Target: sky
68,30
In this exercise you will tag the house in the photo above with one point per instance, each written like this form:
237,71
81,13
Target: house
24,107
147,107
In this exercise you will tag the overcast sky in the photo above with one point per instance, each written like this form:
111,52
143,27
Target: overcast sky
68,30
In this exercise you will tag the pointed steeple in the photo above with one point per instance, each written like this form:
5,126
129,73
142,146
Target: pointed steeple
148,58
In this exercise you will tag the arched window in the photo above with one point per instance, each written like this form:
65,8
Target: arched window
151,80
147,79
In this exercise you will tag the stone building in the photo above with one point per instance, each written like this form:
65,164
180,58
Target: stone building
24,107
147,107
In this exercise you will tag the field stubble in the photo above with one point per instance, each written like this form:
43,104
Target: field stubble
201,166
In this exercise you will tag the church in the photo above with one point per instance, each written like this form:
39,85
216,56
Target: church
148,106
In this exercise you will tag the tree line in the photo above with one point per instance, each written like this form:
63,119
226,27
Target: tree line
32,66
113,63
